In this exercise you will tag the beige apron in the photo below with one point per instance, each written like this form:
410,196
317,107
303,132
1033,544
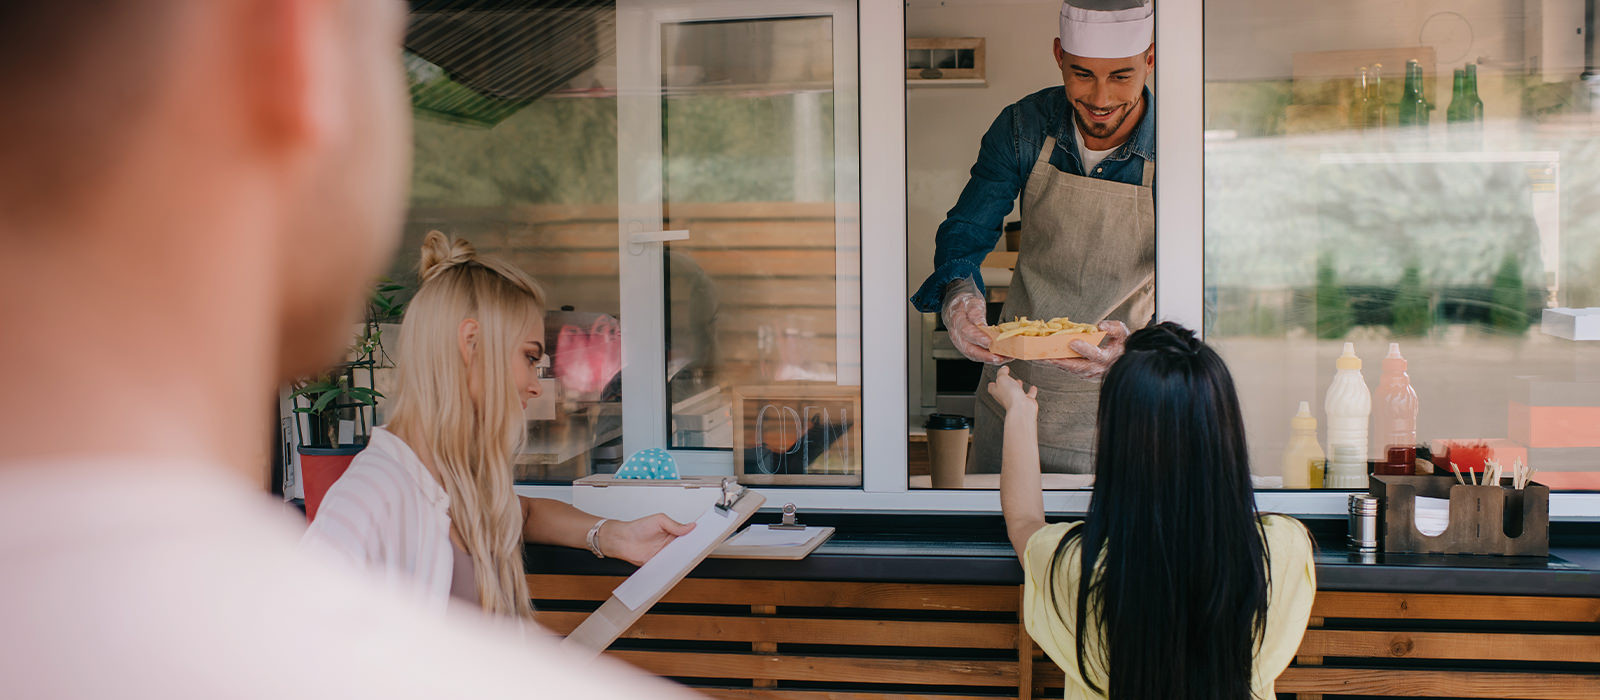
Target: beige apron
1088,253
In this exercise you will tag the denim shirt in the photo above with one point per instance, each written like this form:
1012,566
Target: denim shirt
1005,157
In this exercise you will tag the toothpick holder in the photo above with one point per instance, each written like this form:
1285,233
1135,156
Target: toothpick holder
1497,520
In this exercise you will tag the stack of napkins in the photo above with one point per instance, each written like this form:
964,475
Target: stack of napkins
1433,515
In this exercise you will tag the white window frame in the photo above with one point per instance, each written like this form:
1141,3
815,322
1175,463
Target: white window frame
640,200
1180,281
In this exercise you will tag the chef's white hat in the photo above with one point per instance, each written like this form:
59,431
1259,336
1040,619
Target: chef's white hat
1107,28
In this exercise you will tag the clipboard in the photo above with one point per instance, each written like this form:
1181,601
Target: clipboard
732,549
635,595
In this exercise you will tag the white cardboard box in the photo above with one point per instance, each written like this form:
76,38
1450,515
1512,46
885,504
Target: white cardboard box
1572,324
682,499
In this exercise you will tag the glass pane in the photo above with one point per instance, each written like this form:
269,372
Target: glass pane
763,348
1381,173
516,151
971,153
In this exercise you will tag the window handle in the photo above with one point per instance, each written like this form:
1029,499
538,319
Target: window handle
637,241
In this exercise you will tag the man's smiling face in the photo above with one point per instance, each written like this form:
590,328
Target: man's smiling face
1105,91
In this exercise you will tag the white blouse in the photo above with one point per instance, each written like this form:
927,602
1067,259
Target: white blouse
388,513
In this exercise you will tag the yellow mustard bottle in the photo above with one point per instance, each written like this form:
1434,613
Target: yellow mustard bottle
1303,459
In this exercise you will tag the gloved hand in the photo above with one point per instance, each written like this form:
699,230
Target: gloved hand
1095,361
963,314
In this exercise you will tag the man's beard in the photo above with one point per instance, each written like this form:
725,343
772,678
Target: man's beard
1101,131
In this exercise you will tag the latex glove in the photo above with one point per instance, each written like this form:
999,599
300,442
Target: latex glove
1009,392
635,541
1095,361
964,317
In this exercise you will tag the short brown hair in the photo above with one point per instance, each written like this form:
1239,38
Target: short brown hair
78,75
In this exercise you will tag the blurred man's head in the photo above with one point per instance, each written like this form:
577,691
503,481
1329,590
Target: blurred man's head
268,137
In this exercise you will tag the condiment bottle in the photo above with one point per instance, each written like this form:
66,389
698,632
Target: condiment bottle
1396,418
1302,460
1349,406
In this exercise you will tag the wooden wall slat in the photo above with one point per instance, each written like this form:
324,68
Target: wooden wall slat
1446,645
685,212
971,635
841,669
834,594
1407,606
1465,684
753,234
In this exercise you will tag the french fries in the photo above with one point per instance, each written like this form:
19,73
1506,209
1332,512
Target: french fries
1025,326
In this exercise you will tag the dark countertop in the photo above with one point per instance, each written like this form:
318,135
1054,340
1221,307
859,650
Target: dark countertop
973,549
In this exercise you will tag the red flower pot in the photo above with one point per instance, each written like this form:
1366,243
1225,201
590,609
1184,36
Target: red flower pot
319,468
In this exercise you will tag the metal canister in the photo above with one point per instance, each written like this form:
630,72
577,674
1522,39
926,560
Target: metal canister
1363,522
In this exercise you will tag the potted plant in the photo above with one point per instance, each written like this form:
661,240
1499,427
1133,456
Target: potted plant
324,402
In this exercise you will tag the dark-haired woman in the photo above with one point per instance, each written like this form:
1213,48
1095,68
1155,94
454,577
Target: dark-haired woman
1194,594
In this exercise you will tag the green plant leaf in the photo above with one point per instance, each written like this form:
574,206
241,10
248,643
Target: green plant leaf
323,401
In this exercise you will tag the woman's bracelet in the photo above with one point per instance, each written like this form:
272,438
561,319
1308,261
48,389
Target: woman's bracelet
593,538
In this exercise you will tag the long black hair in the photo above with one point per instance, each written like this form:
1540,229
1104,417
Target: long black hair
1181,591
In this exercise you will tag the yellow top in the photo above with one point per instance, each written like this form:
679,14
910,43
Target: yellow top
1292,584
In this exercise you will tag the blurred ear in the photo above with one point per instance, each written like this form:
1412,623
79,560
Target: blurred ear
291,69
467,340
1060,55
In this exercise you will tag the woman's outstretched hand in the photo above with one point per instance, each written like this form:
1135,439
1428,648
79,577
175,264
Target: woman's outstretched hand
1009,391
635,541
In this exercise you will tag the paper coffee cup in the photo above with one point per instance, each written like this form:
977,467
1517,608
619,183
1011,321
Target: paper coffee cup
947,449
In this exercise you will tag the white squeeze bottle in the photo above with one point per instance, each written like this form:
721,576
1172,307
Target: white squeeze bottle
1349,406
1302,459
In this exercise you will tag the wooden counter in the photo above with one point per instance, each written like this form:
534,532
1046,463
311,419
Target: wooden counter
901,618
846,640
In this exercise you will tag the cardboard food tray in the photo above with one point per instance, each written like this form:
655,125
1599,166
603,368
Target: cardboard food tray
1048,347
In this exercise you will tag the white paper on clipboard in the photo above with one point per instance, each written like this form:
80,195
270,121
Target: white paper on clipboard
765,536
662,569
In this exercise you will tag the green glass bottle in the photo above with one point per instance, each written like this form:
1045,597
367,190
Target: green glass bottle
1474,106
1413,106
1458,103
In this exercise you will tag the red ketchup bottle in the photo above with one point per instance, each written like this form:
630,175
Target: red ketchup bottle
1395,406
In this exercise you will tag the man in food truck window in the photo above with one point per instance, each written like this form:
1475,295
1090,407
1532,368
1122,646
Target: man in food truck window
1083,159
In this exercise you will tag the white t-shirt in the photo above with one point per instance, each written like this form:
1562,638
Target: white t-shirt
1091,159
135,578
389,514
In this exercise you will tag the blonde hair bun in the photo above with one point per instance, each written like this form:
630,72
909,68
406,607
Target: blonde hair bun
441,252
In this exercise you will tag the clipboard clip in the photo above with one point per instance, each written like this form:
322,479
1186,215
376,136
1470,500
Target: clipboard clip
790,519
732,492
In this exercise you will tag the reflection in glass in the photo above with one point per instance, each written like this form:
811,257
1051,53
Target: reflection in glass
763,298
515,150
1362,187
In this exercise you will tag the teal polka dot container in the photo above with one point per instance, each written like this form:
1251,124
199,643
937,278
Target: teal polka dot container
649,463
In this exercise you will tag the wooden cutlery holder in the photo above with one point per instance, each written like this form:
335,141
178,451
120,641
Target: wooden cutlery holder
1495,520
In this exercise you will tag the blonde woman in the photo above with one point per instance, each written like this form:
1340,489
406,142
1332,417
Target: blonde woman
429,503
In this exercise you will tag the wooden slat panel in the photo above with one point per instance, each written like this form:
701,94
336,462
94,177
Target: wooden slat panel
678,213
822,594
775,262
681,212
1444,645
823,668
972,635
1046,674
761,233
1469,684
1407,606
752,694
705,235
814,321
